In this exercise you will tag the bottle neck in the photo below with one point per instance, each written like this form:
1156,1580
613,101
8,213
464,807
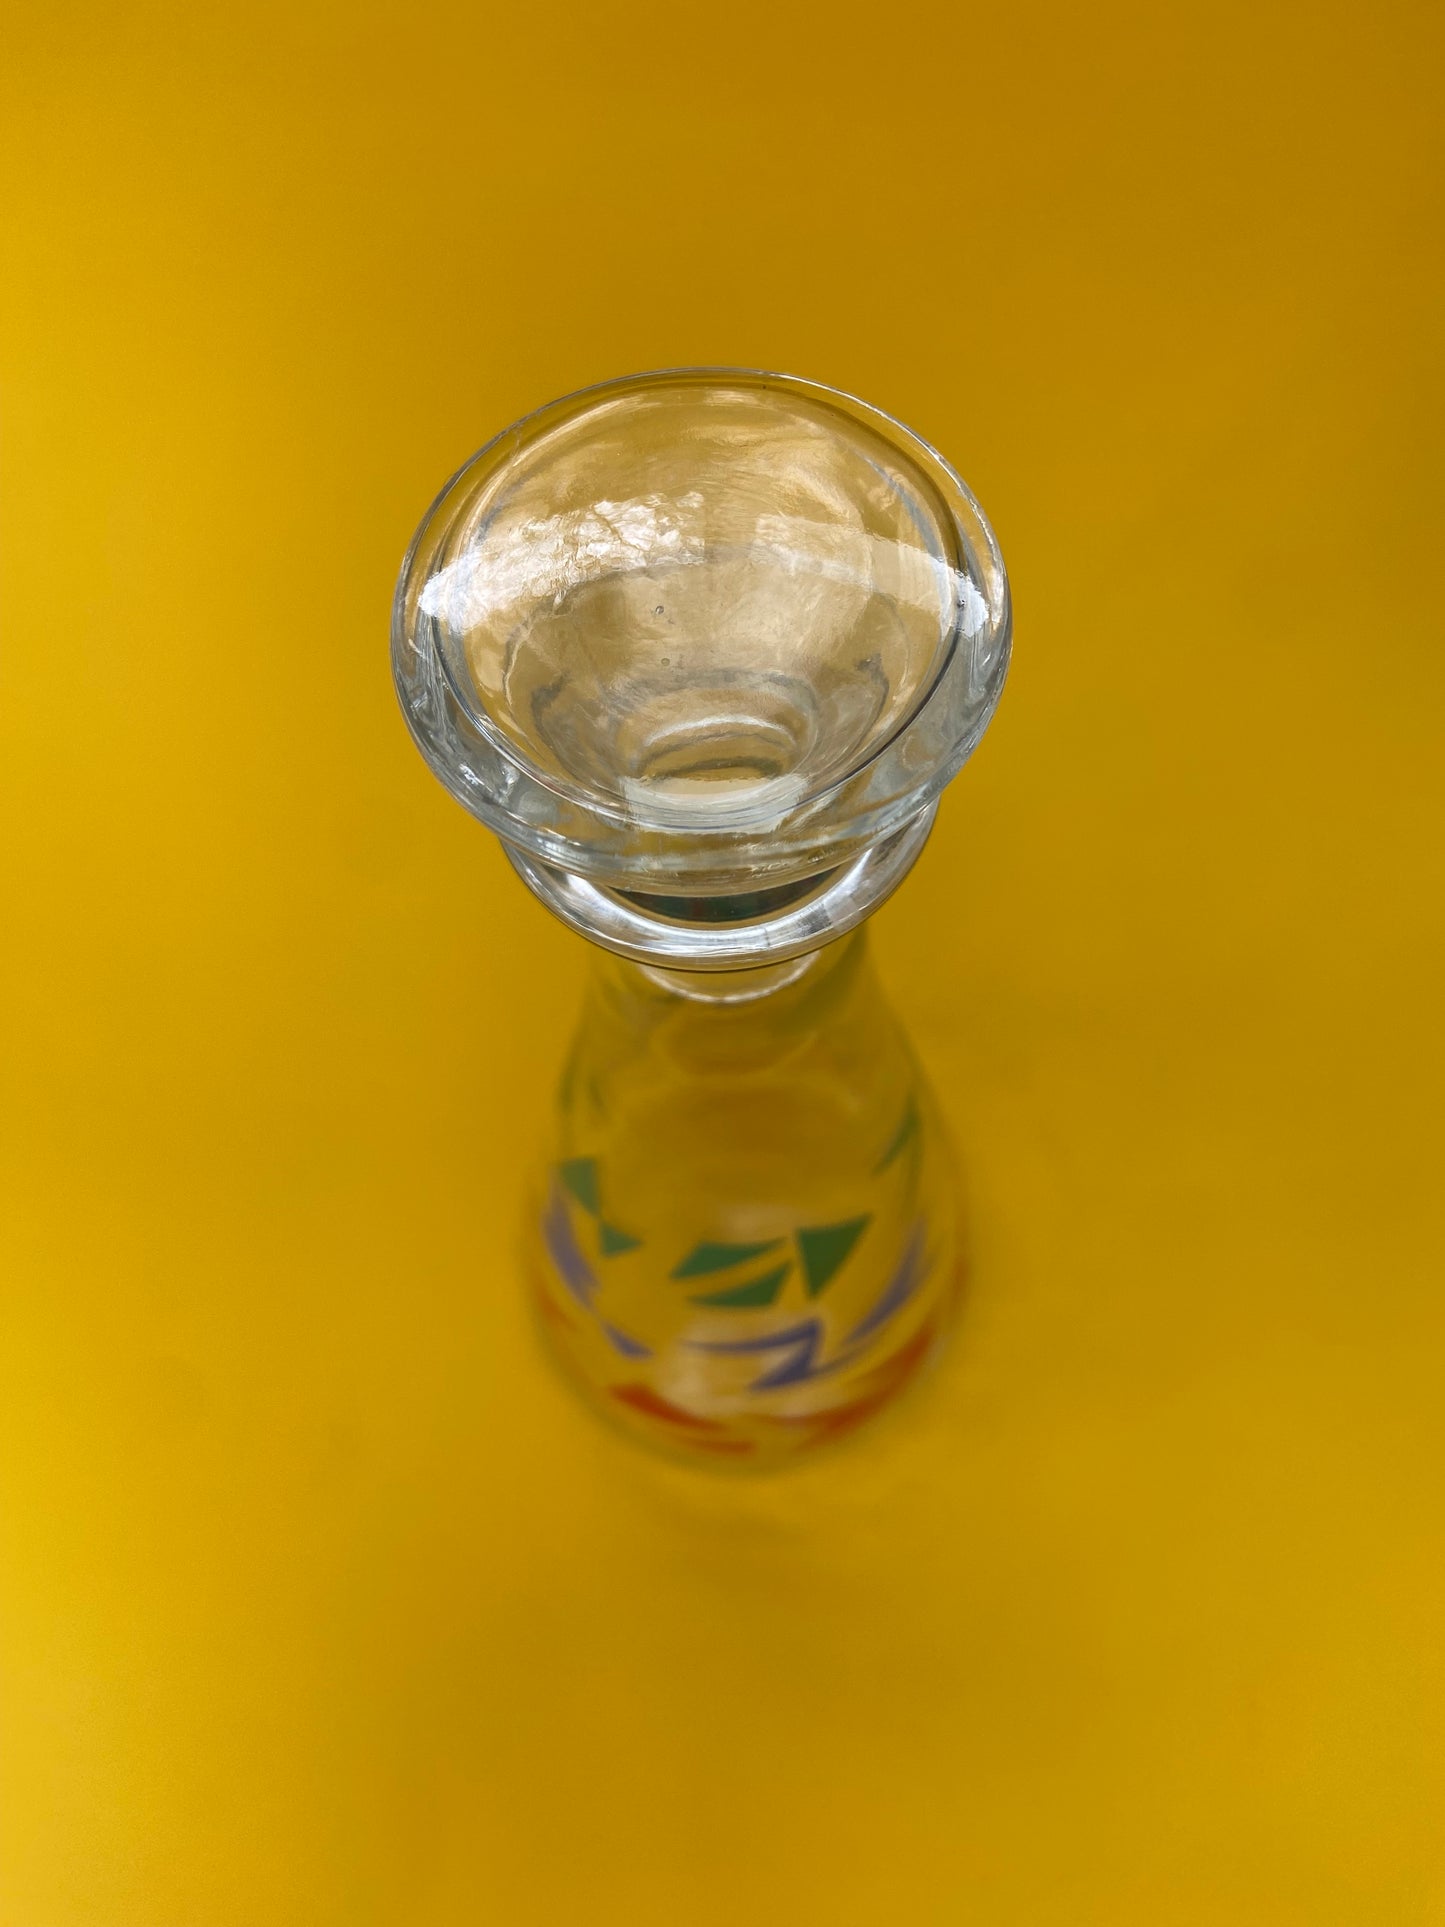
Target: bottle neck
731,1006
730,988
729,935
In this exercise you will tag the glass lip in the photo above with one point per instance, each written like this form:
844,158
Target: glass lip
738,820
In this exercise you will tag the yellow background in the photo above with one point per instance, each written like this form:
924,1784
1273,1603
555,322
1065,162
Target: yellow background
320,1602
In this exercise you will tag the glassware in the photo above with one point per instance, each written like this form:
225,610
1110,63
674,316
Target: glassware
702,648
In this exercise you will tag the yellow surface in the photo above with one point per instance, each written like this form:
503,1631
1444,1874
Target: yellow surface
320,1602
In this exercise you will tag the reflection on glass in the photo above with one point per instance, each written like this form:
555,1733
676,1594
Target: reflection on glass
703,649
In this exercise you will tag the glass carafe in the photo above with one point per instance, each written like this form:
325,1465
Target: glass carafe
703,648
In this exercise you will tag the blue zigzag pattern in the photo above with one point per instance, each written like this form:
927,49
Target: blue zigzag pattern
803,1342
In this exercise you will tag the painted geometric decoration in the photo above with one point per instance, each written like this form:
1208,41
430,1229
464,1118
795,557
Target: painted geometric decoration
797,1353
759,1291
579,1175
738,1276
820,1251
708,1257
825,1248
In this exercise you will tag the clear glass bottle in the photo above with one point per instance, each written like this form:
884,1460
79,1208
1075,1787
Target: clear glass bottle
703,648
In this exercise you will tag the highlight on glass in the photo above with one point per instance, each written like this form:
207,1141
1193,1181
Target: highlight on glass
703,649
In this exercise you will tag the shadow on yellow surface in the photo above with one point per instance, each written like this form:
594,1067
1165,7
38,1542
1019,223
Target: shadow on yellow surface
321,1601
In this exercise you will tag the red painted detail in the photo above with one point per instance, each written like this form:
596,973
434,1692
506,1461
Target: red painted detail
832,1425
881,1384
893,1371
642,1398
553,1311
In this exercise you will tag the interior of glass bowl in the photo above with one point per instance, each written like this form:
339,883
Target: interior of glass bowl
695,600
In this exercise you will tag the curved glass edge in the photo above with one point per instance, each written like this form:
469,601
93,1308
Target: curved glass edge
583,835
622,926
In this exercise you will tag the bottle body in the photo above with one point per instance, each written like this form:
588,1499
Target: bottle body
743,1239
703,647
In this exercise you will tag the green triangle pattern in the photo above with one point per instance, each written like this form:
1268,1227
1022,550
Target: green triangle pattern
613,1241
580,1177
707,1257
762,1291
824,1248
